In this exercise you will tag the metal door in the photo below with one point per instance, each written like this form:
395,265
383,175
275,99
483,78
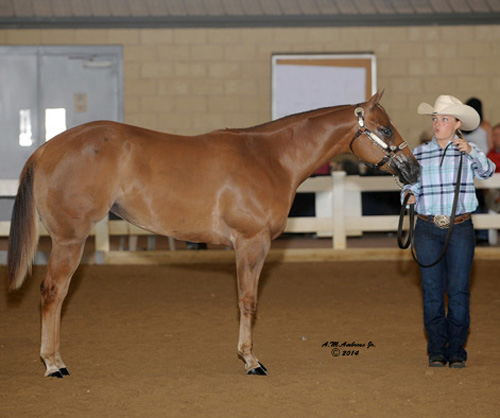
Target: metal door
18,108
45,90
82,83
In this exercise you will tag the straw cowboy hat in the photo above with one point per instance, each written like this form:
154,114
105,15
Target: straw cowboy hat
449,105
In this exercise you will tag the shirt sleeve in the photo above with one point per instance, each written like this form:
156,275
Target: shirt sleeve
482,167
415,187
412,188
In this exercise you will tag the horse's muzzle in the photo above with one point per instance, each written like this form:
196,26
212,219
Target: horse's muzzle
406,168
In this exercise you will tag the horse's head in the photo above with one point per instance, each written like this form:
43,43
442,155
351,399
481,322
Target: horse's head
377,142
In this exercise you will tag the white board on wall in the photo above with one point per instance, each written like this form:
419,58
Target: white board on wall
306,82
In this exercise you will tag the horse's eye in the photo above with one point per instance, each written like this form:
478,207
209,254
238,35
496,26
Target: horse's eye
387,132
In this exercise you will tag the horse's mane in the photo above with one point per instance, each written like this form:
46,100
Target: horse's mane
287,119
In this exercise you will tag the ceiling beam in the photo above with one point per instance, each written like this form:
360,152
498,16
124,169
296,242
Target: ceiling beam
251,21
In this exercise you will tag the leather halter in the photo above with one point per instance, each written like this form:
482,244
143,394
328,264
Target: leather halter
389,150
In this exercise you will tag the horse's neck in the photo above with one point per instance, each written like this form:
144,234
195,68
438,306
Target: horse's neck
307,144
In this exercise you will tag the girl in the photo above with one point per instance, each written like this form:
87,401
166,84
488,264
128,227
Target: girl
433,195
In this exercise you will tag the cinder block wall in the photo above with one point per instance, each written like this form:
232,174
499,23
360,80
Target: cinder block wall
189,81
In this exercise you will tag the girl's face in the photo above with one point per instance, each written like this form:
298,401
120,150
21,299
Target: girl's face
444,127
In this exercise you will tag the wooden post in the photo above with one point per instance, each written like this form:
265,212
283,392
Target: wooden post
101,241
132,242
338,204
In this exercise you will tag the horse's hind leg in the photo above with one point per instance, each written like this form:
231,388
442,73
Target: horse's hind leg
250,257
64,259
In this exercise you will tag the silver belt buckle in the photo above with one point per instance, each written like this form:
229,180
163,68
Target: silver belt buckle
442,221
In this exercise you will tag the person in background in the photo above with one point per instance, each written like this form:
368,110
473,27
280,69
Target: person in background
481,136
433,195
493,195
494,152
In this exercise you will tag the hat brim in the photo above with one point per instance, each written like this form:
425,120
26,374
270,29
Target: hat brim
425,109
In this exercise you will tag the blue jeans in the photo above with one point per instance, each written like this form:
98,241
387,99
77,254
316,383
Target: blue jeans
446,331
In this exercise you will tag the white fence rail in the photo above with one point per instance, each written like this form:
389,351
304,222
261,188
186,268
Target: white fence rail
343,218
346,218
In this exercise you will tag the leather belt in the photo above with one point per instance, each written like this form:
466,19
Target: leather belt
443,221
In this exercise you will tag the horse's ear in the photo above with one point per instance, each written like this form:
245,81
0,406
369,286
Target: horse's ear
375,99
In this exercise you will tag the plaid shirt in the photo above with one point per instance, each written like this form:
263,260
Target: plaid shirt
436,187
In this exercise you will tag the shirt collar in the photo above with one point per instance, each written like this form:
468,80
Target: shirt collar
435,143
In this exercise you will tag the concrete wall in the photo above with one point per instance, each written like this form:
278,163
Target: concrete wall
189,81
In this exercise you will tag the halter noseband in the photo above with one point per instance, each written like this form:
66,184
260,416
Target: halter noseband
389,150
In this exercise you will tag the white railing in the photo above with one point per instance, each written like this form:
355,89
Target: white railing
343,218
8,188
346,218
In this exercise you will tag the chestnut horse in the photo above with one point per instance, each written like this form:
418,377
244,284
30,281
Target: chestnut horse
232,187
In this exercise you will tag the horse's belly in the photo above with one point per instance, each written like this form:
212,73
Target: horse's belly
184,220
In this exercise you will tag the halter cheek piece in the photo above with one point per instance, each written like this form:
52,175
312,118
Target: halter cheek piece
389,150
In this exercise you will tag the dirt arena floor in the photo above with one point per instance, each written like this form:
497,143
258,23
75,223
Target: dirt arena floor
160,341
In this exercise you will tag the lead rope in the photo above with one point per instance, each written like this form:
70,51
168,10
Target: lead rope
411,232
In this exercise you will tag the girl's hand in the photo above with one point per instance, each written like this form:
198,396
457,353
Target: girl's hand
412,199
462,145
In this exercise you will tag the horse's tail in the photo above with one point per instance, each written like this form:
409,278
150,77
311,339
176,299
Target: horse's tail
23,236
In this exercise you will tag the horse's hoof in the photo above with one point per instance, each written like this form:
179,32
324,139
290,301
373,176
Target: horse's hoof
258,371
57,374
64,371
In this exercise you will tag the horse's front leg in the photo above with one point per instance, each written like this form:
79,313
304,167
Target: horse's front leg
250,256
